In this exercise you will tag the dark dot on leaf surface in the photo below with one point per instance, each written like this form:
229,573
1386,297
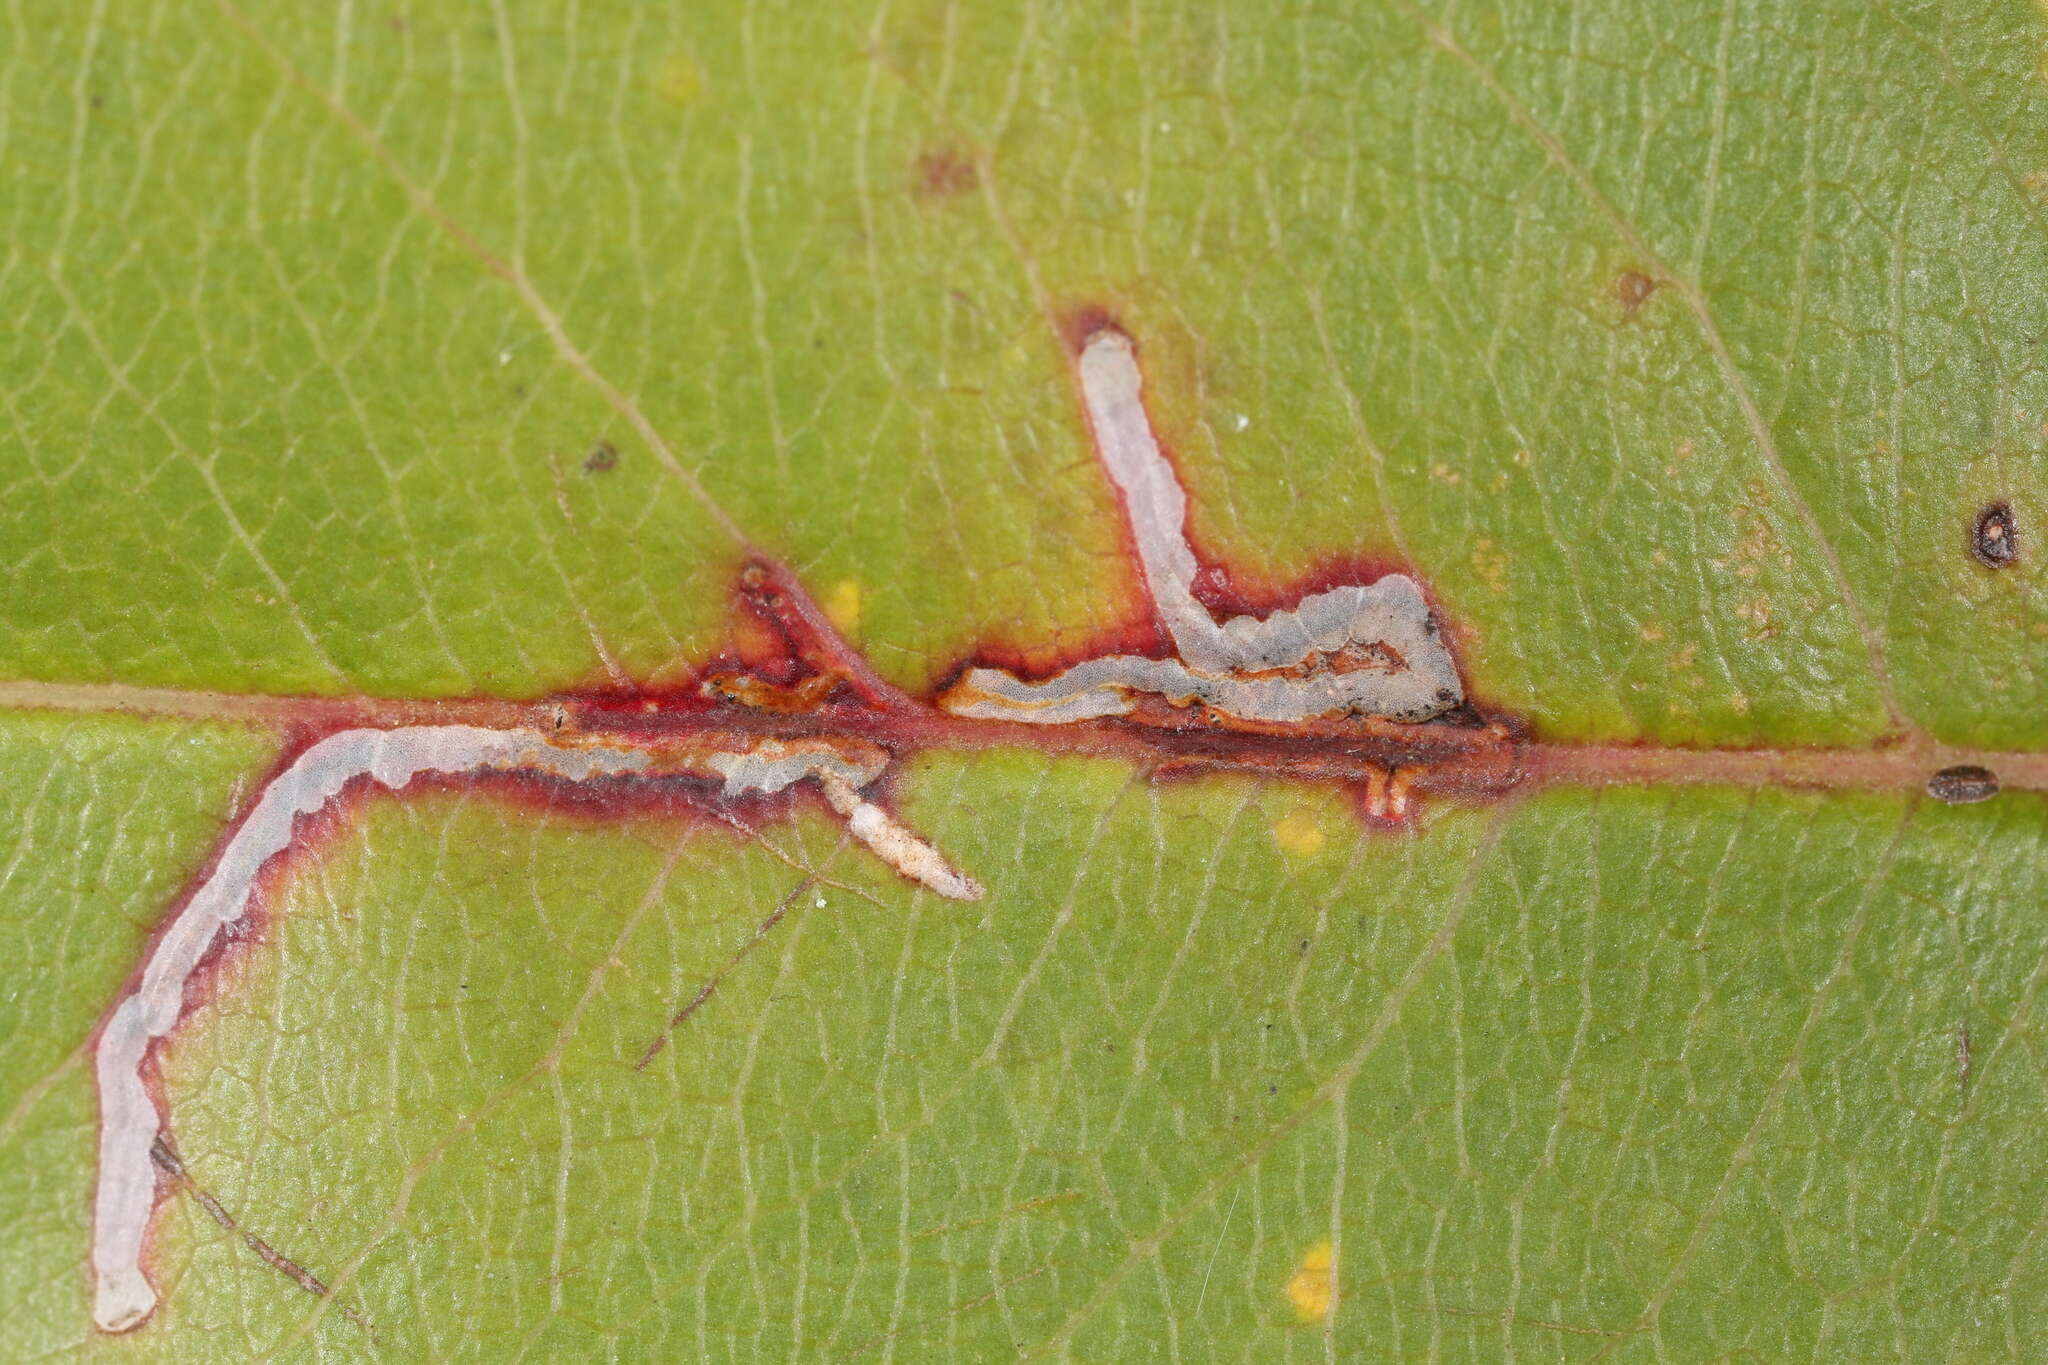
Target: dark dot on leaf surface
606,456
1994,539
1963,784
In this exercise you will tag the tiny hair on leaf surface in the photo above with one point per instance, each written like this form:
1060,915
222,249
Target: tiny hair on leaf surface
1175,682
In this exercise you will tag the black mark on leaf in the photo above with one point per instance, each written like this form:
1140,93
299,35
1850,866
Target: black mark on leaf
606,456
1963,784
1995,539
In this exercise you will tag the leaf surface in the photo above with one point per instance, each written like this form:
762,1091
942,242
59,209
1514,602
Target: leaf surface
464,353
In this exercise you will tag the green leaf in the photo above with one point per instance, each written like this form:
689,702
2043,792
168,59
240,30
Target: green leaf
461,353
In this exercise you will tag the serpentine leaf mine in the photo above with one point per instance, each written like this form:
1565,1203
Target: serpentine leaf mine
1371,651
1369,654
126,1195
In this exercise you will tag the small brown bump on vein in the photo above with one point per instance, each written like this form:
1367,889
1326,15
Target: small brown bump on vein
1963,784
170,1164
1632,289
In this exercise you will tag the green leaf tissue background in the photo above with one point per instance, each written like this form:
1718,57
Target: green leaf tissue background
428,351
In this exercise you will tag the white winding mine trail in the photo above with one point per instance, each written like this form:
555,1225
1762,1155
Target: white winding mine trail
1356,651
126,1195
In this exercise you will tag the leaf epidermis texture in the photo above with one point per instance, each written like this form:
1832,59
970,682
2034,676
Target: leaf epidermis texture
1678,352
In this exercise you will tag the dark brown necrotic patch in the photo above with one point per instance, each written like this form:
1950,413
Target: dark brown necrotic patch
1963,784
1994,539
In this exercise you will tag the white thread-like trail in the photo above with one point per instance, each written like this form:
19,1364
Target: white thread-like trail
125,1198
772,764
1362,651
894,844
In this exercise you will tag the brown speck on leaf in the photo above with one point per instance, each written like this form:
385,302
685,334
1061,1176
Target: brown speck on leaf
1632,289
943,173
1994,539
606,456
1963,784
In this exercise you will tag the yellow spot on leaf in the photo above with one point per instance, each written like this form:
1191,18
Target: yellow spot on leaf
1490,564
1649,632
1311,1289
842,605
1298,833
679,80
1758,613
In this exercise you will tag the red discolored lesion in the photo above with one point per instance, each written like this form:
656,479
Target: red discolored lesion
1079,321
787,699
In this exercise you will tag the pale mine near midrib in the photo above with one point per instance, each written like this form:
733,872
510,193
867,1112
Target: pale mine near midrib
125,1197
1217,662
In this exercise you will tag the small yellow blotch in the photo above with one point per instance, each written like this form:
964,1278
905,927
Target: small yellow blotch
1311,1287
1738,702
1649,632
679,80
1682,659
842,606
1490,564
1758,613
1443,473
1298,833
